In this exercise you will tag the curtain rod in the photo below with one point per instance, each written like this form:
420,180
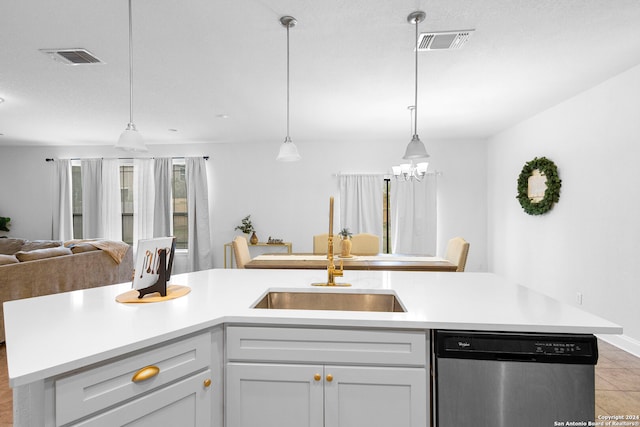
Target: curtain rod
339,174
122,158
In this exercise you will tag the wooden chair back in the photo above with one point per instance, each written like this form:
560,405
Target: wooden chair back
241,251
365,244
457,251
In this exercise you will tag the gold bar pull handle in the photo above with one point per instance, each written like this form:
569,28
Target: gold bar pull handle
145,373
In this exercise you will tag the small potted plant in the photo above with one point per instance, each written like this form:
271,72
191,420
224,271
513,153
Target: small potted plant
247,228
4,223
345,245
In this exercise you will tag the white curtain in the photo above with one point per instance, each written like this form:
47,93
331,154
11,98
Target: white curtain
199,246
414,216
143,199
111,200
361,203
163,208
62,208
91,171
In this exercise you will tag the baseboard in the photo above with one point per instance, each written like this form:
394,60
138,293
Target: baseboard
623,342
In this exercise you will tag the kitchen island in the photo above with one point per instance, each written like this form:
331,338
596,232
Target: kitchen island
70,354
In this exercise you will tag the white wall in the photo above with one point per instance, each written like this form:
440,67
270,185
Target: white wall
590,241
286,200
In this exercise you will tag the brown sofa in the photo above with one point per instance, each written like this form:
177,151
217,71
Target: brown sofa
48,267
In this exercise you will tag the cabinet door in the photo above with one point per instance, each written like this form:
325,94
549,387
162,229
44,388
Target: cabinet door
261,395
185,403
375,397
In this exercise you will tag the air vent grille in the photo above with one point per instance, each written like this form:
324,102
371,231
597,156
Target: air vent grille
443,40
72,56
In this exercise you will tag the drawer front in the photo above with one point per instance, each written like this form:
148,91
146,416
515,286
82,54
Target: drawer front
185,403
375,347
86,392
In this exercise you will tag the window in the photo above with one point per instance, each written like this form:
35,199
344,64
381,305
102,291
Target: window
126,199
179,187
76,200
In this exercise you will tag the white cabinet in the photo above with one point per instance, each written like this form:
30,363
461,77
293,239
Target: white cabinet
376,397
373,378
273,396
169,382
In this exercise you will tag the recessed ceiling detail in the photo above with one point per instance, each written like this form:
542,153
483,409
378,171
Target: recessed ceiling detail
444,40
72,56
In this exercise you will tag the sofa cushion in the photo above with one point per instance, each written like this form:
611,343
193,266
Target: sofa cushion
8,259
43,253
10,246
78,248
32,245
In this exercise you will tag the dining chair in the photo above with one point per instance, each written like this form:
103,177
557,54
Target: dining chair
457,251
241,251
320,244
365,244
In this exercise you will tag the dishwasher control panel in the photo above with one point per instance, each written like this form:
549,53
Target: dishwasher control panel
561,348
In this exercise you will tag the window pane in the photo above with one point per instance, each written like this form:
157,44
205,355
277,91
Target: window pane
180,228
76,200
126,197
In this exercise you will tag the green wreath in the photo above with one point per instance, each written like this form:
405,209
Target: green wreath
551,195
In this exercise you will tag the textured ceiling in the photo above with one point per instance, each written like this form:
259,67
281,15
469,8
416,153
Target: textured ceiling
351,67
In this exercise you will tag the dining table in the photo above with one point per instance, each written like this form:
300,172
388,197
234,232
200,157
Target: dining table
390,262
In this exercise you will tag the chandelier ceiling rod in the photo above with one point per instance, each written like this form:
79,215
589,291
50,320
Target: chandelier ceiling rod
130,65
415,94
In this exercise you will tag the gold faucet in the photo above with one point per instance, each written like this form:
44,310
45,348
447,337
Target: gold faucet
332,272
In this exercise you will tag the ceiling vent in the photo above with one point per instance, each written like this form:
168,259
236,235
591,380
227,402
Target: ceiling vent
72,56
444,40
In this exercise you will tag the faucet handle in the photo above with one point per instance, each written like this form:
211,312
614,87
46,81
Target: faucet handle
339,272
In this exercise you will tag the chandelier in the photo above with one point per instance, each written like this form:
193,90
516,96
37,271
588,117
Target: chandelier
410,171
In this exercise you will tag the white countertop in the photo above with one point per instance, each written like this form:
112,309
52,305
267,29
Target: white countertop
50,335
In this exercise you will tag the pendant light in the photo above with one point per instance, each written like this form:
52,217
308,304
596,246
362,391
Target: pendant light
288,151
130,139
415,149
410,171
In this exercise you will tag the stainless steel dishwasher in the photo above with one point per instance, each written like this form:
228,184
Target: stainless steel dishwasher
504,379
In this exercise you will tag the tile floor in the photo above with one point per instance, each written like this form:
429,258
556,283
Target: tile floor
617,381
617,384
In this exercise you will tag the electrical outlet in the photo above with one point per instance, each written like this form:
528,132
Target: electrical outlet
579,295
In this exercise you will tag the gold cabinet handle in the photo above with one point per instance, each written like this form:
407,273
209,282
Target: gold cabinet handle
145,373
329,377
317,377
207,383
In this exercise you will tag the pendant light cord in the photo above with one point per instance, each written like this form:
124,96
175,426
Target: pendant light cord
130,65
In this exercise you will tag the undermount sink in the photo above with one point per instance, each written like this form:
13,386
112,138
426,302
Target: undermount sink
342,301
